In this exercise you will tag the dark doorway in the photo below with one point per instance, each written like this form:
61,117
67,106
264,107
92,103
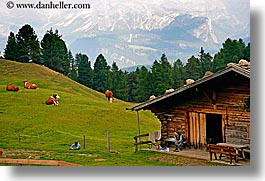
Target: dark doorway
214,128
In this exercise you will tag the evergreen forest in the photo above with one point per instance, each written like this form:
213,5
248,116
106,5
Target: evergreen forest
135,86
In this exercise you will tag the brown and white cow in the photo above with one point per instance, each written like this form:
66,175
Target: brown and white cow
109,95
53,100
28,85
10,87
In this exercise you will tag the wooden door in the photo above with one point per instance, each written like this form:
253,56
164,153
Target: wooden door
197,129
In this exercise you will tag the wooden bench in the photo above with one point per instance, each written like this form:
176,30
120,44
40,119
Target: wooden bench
239,148
222,150
143,139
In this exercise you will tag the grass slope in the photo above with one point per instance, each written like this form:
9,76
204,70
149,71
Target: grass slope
29,128
82,112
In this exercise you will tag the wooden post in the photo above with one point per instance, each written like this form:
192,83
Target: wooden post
226,123
135,143
84,141
19,139
108,141
139,131
138,119
214,100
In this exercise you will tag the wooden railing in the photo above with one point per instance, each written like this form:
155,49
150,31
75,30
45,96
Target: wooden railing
143,139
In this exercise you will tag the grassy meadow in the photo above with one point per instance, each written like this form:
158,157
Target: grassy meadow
30,128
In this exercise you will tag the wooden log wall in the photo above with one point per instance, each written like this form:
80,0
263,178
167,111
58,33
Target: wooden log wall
171,122
189,117
234,100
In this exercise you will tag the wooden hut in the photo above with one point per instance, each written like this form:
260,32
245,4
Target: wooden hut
213,109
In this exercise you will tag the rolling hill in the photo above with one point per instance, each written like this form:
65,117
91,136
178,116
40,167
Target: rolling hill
83,115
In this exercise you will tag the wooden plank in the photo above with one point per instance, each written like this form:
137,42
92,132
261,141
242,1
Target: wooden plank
201,129
223,127
204,128
248,130
186,127
214,100
142,135
218,111
197,129
194,129
191,128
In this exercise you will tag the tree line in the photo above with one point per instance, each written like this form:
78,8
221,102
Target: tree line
135,86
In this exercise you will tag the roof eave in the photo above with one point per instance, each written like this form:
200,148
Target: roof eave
235,68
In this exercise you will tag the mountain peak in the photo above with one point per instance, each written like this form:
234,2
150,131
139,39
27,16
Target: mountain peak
138,32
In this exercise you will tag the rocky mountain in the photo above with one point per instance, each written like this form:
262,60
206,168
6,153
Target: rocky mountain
139,31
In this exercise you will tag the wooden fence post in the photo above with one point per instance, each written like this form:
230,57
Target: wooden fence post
84,141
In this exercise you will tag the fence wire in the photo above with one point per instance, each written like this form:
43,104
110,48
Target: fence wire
58,138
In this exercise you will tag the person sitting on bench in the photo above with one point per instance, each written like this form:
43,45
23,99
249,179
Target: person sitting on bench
179,140
75,146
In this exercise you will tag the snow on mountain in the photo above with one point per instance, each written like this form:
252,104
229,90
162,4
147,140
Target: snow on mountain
139,31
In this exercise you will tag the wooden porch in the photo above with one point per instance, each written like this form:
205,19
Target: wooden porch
201,154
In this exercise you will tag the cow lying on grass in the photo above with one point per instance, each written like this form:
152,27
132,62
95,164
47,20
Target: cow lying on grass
53,100
10,87
28,85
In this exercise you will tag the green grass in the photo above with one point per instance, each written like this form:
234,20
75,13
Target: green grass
28,126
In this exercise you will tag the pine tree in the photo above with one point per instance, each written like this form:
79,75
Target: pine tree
167,72
73,66
28,45
66,63
178,74
123,86
118,82
54,52
161,75
11,48
114,78
206,61
232,51
247,52
131,79
85,72
142,87
193,68
101,77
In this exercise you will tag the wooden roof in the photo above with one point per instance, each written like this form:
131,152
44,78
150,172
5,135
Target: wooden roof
244,71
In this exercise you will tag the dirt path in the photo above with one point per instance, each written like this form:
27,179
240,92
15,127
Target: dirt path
36,162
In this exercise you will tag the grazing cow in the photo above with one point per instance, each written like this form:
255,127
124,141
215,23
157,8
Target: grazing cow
53,100
109,96
10,87
28,85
